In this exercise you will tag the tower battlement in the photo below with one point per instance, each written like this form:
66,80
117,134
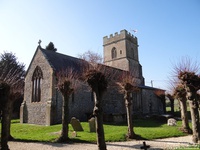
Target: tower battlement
124,34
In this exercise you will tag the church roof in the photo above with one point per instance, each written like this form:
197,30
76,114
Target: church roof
60,61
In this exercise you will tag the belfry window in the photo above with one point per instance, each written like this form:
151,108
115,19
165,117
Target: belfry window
36,84
114,53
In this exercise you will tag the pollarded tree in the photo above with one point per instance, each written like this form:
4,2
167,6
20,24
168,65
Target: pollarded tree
128,85
180,94
191,83
12,81
187,73
67,81
97,78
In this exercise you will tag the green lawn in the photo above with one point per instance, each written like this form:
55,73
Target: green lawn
148,129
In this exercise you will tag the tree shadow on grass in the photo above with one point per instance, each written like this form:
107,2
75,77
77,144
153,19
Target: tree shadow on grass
148,122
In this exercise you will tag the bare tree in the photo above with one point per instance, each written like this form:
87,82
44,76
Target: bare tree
98,78
98,83
187,72
12,83
191,84
67,80
91,57
128,85
180,94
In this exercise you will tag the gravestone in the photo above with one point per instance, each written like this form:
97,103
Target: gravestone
92,124
76,125
73,134
171,122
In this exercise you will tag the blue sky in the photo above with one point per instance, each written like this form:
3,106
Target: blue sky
167,29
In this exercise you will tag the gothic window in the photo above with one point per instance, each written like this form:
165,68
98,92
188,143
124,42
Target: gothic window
114,53
36,84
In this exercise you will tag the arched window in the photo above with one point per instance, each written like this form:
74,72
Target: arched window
114,53
36,84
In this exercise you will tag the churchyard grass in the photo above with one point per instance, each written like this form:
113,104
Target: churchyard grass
147,129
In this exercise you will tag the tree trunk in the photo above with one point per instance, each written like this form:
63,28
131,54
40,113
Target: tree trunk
65,115
195,120
98,113
184,116
10,111
5,129
128,104
5,118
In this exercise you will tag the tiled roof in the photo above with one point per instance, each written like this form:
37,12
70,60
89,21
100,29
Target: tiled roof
60,61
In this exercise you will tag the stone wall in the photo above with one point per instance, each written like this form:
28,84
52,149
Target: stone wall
35,112
82,105
126,47
113,101
151,104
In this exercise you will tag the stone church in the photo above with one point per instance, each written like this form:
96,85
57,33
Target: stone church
43,102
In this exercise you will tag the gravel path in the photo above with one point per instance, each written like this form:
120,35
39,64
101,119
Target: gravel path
159,144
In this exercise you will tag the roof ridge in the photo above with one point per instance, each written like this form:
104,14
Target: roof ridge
59,61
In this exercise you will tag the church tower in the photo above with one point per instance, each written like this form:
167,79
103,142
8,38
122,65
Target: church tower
121,51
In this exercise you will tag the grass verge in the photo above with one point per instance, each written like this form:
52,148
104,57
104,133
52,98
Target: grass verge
147,129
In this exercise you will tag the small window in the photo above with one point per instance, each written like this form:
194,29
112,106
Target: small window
114,53
36,84
120,51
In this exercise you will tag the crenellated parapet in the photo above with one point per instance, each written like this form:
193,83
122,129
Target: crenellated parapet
124,34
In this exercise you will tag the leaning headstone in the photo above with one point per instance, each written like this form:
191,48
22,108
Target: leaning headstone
92,125
171,122
76,125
